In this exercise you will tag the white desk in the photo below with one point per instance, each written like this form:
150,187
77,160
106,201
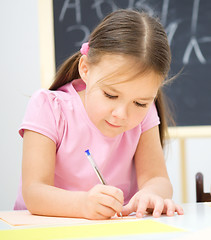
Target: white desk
196,217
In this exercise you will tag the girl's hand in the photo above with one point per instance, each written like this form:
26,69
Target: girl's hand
103,202
144,201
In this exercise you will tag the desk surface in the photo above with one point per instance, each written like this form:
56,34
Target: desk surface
197,217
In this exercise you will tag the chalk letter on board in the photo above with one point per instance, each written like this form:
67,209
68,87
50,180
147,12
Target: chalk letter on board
75,5
164,12
170,31
97,6
193,44
82,28
142,5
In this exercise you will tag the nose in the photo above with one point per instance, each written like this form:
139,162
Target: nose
120,112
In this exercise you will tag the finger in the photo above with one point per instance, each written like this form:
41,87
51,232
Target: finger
129,208
142,207
99,216
110,202
169,208
99,213
158,207
179,210
113,192
105,211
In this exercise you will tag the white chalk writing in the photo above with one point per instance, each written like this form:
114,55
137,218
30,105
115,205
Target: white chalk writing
98,6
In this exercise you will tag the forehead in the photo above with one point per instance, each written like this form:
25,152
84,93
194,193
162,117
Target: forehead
114,69
121,73
139,88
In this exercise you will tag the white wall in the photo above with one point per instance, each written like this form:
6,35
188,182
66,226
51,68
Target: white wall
198,159
172,156
19,77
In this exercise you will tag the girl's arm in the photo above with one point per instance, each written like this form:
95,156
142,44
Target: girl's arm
155,189
42,198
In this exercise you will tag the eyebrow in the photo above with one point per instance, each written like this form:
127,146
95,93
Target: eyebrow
147,98
116,91
112,89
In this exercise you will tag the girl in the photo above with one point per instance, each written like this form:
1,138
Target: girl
106,98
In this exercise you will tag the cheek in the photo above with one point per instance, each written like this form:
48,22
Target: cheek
95,107
138,116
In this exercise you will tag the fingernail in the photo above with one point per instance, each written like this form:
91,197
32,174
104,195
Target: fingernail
139,215
170,213
156,214
181,212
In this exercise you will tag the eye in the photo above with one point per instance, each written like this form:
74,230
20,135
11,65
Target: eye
140,104
110,96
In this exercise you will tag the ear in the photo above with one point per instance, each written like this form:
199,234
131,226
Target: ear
83,68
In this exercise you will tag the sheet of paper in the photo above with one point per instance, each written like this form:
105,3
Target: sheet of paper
21,218
120,228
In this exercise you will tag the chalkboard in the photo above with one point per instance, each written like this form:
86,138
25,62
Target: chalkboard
187,24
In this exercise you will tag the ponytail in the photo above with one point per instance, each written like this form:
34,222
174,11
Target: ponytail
67,72
164,114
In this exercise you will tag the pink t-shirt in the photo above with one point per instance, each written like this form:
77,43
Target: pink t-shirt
61,116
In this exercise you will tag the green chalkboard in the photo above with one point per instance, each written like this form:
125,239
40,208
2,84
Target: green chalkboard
187,24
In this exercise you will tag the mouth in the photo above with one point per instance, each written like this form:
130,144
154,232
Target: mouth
112,125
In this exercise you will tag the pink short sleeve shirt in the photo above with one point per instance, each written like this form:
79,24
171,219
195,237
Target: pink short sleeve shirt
60,115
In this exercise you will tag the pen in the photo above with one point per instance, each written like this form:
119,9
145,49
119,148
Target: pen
94,165
91,160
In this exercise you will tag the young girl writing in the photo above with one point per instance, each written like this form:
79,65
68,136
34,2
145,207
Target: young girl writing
106,98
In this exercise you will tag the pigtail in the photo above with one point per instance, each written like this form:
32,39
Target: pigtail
67,72
164,114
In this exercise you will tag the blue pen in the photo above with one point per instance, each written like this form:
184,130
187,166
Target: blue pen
100,176
91,160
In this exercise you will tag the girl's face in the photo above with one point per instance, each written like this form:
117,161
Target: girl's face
116,104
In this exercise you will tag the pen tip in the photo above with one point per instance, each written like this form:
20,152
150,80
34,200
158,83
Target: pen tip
87,152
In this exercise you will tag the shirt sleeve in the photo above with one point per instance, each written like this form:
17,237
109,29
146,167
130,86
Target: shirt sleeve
151,120
43,115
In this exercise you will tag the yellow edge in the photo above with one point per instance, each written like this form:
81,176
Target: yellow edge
46,36
183,171
190,132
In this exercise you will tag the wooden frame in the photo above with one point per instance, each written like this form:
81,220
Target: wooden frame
46,34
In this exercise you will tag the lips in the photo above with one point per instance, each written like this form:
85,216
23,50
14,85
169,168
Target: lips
112,125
